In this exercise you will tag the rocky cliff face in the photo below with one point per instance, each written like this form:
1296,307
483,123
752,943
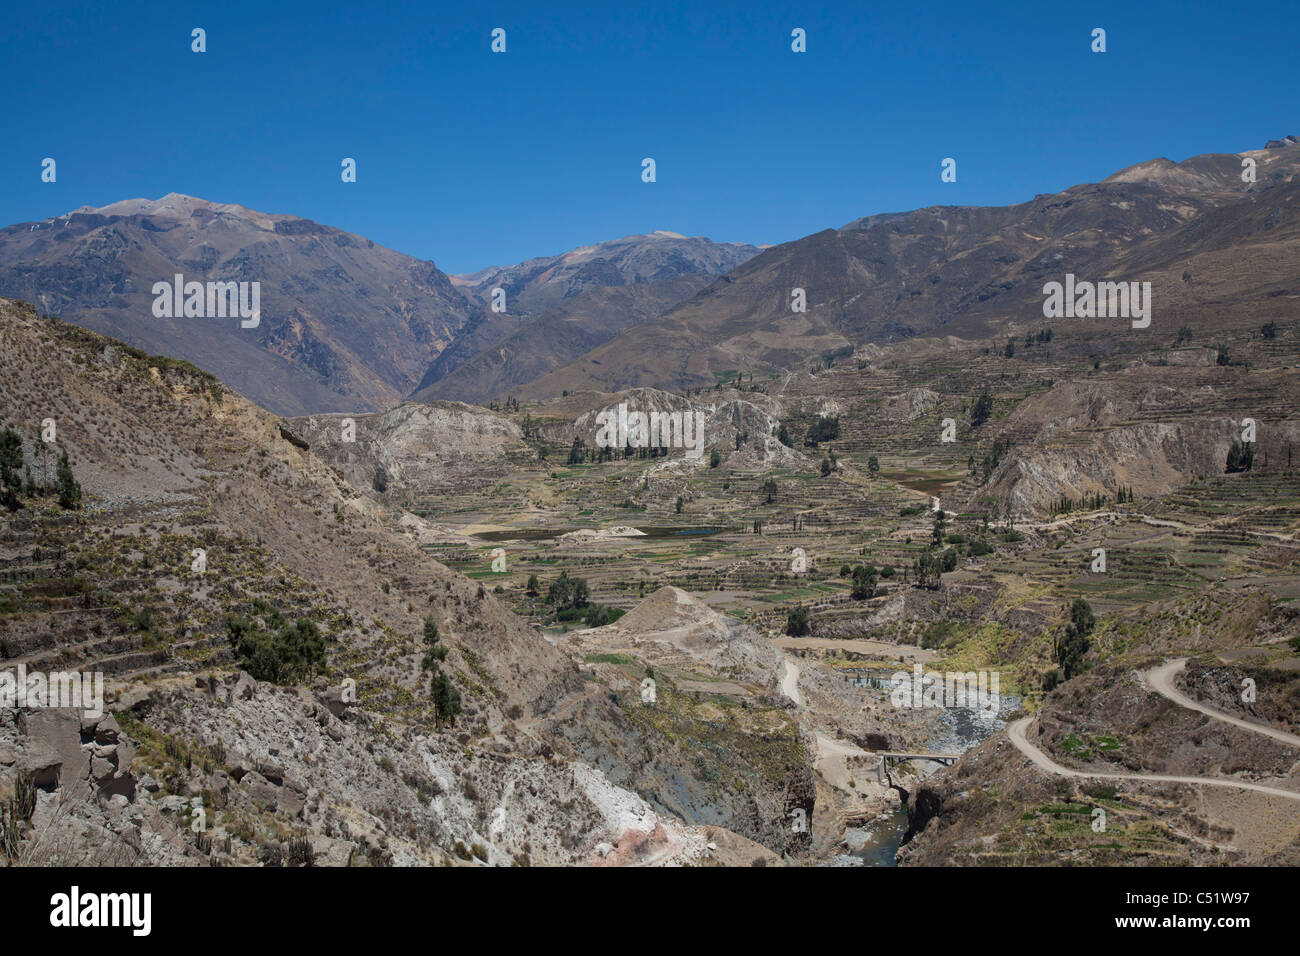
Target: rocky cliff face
416,446
1086,438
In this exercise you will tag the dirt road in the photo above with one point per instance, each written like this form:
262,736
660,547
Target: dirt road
1160,679
790,682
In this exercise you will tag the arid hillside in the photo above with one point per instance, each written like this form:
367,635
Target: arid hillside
336,745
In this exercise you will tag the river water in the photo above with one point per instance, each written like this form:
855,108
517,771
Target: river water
960,729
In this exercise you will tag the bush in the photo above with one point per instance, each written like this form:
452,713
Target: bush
446,699
798,622
598,615
824,429
981,410
299,852
69,490
1241,457
864,582
285,656
567,592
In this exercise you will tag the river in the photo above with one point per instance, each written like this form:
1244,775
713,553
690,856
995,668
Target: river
961,729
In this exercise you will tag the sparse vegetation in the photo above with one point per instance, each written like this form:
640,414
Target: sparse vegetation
277,651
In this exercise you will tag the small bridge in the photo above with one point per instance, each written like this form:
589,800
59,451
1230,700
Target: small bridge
899,756
945,759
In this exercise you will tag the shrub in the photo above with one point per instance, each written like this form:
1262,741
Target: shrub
598,615
284,656
1241,457
824,429
798,622
69,490
299,852
446,699
567,592
864,582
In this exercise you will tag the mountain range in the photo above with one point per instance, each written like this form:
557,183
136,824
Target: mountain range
350,326
972,271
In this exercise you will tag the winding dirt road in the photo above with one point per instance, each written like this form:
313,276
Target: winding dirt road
790,682
1160,679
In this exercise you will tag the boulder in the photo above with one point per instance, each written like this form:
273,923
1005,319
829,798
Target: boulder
245,687
108,730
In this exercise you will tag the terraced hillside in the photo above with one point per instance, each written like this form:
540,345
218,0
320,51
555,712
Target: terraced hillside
289,679
1078,444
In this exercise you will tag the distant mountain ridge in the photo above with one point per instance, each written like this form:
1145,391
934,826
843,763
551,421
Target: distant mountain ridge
969,270
543,282
346,324
559,307
351,326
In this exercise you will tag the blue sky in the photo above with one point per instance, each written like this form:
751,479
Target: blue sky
471,158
